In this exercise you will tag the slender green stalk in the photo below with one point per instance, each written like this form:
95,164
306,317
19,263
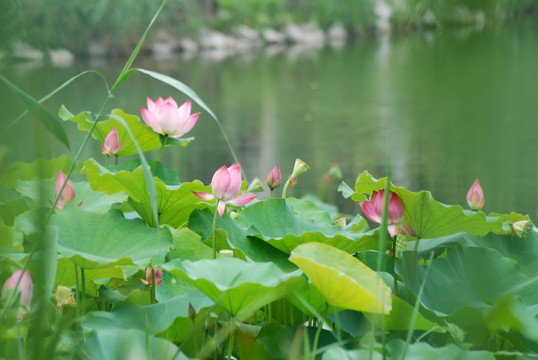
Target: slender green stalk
394,262
316,339
107,160
164,138
83,286
285,188
381,250
77,293
116,157
213,235
270,193
230,339
417,241
415,309
152,287
215,329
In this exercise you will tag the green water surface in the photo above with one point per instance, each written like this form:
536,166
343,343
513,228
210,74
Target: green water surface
446,107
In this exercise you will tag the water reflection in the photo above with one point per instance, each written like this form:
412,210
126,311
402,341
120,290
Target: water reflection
445,108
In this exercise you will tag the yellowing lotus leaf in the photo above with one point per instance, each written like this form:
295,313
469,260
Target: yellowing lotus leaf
343,280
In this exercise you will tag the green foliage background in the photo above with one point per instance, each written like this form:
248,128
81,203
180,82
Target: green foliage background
73,24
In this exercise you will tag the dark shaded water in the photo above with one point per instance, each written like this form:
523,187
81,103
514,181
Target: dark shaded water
446,108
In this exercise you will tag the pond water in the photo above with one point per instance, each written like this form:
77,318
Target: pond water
446,108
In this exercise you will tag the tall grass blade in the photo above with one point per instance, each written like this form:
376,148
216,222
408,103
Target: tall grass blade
48,120
150,183
126,72
61,87
416,307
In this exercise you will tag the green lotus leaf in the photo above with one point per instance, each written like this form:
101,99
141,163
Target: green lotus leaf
237,286
38,168
511,312
9,210
427,217
65,275
339,353
111,343
157,169
187,246
145,136
423,351
153,318
286,223
343,280
42,192
94,241
201,222
10,238
524,252
400,318
174,203
467,276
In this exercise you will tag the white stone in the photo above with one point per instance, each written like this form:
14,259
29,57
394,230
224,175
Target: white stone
336,32
272,36
61,57
22,50
188,45
209,39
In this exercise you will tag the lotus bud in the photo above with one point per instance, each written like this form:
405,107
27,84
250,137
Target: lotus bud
255,186
335,172
112,143
149,277
299,168
68,193
522,228
25,287
475,196
192,313
274,179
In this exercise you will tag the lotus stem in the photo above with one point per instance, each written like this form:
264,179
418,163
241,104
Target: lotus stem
285,188
393,263
83,295
152,288
163,142
230,340
213,235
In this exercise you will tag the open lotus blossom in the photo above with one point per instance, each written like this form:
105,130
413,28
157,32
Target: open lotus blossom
475,196
274,179
166,118
25,289
225,185
68,193
158,277
373,209
112,143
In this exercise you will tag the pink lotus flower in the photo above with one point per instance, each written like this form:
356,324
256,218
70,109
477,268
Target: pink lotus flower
68,193
475,196
274,179
166,118
158,277
112,143
25,289
225,185
373,209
